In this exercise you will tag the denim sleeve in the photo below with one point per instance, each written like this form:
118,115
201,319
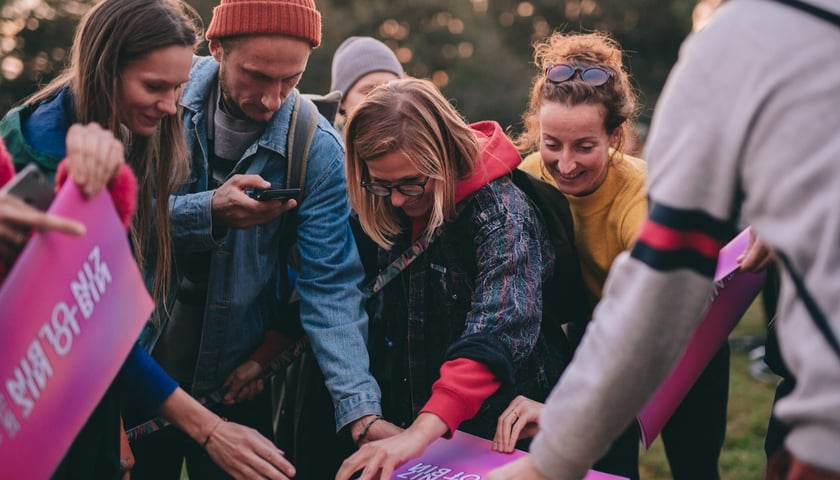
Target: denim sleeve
332,305
192,221
144,380
508,290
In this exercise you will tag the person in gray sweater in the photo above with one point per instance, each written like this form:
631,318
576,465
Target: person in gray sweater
746,128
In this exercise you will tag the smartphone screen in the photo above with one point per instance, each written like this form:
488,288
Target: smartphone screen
31,186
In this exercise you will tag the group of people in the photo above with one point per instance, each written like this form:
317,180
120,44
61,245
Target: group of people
412,199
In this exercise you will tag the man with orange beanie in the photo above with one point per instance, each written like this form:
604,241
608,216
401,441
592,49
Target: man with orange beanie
237,112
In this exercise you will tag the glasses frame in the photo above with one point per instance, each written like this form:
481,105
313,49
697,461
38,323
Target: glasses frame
582,72
371,186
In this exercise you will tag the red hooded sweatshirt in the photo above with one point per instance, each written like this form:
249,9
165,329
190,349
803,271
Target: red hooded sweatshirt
465,384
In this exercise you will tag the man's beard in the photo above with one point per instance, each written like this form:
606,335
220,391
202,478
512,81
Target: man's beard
227,104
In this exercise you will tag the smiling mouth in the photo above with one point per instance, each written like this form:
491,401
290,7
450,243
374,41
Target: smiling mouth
571,176
153,119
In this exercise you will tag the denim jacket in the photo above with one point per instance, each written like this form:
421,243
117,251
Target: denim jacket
480,282
242,300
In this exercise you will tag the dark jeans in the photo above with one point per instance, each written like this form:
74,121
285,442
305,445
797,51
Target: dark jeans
693,437
306,430
159,456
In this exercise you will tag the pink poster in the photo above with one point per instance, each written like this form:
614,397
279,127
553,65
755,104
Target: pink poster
465,457
732,295
72,308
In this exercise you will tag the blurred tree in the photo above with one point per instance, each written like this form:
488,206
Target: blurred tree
478,51
34,45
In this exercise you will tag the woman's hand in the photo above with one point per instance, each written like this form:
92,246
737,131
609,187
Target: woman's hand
245,454
378,459
240,451
94,157
519,420
520,469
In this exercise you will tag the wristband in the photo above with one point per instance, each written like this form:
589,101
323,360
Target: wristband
207,440
367,427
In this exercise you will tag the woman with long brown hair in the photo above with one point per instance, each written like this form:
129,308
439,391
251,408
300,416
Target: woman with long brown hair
129,61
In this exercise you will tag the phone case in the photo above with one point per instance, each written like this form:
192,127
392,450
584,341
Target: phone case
32,186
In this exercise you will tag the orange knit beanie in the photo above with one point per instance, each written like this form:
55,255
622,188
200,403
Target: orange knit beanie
293,18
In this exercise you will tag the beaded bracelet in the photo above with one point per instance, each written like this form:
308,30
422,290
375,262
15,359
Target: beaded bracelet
367,427
207,440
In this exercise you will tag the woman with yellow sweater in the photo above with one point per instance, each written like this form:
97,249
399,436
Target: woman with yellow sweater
607,219
581,108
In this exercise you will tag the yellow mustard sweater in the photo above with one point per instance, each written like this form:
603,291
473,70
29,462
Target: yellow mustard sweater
608,220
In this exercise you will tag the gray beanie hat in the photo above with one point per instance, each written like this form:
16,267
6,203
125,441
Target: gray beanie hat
358,56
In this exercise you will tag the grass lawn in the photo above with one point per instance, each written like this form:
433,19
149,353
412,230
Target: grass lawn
750,400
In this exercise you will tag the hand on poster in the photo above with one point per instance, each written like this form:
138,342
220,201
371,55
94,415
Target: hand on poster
379,459
94,157
519,420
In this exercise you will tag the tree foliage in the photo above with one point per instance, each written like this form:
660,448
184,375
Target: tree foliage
478,51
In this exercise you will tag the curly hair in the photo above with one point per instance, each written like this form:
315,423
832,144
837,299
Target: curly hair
617,96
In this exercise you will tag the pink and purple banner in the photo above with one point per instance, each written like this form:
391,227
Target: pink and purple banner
72,308
465,457
733,293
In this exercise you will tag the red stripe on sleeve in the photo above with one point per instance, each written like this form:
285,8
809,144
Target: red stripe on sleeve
660,237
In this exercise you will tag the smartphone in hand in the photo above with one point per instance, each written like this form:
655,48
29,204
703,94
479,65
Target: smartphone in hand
32,186
276,194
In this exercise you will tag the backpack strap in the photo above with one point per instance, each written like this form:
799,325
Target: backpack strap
813,10
301,131
302,127
814,310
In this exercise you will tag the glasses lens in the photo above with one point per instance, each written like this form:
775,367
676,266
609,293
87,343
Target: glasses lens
595,76
376,189
411,190
559,73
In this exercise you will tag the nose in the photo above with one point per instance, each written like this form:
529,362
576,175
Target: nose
563,163
169,103
273,97
397,198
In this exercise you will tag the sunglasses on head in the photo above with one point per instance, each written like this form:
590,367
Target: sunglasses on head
595,76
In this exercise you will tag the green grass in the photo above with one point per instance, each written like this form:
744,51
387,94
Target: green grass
750,401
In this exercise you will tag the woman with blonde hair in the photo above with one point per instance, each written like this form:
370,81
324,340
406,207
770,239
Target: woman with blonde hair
129,61
457,332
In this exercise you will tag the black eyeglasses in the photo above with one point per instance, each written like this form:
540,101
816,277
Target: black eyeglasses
409,189
595,76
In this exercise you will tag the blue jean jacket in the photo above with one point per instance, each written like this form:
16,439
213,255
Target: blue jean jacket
245,263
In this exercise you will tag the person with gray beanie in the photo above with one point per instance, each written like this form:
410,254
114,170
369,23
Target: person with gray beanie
360,64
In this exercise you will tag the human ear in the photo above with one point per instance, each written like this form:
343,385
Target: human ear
216,50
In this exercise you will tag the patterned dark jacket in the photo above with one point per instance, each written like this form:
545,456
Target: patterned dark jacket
476,292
